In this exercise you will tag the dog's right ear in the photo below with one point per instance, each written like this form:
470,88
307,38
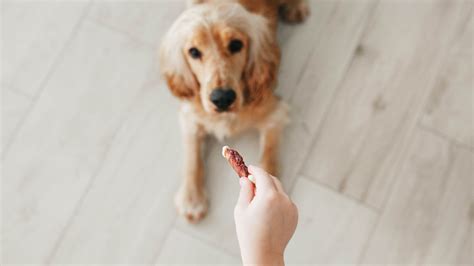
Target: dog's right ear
178,86
175,69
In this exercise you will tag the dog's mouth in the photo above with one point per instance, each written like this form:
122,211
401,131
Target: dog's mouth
225,110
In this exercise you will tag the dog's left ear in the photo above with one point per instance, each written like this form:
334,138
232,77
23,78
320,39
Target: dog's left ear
261,71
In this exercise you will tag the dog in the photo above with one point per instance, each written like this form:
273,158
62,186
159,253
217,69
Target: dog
221,59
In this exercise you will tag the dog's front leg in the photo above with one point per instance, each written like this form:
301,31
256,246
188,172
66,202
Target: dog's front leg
270,133
191,199
269,141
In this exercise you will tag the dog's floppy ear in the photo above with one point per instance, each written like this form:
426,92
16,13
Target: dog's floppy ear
177,86
175,69
262,68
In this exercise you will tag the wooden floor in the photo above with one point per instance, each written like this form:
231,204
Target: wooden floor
379,156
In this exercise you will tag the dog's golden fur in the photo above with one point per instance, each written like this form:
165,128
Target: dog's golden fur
251,72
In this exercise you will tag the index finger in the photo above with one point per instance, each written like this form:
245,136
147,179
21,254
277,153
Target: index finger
263,180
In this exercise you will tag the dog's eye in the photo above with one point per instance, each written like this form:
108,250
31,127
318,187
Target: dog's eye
195,53
235,46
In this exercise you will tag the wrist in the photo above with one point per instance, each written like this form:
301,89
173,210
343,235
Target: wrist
264,258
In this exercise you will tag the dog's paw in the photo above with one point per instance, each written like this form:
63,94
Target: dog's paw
295,13
191,203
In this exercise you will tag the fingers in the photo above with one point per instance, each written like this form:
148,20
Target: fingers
263,180
246,192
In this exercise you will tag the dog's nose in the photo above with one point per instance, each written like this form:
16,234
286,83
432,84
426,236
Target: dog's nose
222,98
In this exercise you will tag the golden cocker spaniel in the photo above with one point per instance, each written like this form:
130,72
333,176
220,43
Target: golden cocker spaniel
221,59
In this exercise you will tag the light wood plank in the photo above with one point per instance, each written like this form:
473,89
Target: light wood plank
33,36
129,210
450,107
63,142
311,84
298,42
370,122
428,219
14,107
146,21
182,249
332,229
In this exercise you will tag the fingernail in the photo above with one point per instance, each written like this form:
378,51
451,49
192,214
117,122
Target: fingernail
241,182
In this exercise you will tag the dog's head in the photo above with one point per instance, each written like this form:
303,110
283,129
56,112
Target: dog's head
220,55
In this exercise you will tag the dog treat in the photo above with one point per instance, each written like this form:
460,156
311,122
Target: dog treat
237,162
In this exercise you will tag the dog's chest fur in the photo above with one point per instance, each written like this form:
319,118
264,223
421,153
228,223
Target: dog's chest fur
229,124
222,126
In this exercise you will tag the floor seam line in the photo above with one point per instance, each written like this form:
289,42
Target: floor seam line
120,31
315,135
35,98
343,195
205,241
445,137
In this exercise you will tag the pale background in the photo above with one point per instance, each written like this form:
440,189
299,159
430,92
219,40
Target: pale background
378,157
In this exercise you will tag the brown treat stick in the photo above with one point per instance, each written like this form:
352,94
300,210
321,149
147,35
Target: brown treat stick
237,162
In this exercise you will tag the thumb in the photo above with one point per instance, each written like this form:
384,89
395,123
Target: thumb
246,192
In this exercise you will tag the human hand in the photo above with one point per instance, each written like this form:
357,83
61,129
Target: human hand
265,219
